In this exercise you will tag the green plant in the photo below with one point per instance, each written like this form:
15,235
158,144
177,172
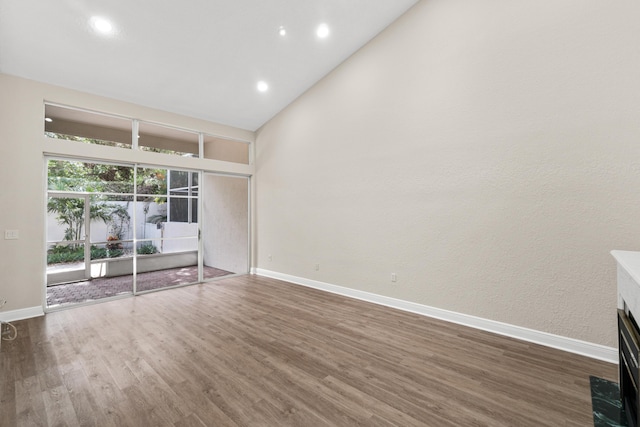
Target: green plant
114,253
147,249
153,183
157,219
101,253
70,213
61,254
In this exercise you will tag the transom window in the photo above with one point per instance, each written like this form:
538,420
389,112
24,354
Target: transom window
72,124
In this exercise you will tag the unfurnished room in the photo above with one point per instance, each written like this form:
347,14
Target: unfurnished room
319,213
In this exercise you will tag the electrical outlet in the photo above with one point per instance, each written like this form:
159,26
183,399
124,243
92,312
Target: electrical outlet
270,258
11,234
394,277
317,267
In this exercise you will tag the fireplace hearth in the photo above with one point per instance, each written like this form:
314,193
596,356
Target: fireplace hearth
628,345
628,276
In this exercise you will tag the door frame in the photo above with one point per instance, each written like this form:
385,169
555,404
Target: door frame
202,172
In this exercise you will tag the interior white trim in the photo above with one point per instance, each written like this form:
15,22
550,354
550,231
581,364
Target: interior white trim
23,313
584,348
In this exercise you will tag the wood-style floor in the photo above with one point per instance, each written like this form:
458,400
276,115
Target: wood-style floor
252,351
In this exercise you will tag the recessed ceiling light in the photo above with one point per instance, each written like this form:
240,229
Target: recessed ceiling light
322,31
101,25
282,31
262,86
48,119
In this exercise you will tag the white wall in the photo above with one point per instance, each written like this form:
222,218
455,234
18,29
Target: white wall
174,230
488,153
22,150
225,222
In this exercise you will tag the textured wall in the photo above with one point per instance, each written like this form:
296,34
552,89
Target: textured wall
488,153
21,174
226,222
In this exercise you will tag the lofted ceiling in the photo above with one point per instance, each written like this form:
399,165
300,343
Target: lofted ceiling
201,58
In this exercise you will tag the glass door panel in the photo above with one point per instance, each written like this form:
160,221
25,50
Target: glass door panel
89,237
67,254
225,225
111,237
167,228
79,269
125,229
172,262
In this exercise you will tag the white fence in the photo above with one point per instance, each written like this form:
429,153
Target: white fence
167,237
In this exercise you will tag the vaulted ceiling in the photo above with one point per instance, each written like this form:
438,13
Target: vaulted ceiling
202,58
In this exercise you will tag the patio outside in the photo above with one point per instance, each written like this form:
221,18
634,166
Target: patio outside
99,288
109,222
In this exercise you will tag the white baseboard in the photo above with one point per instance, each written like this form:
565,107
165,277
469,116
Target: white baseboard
23,313
584,348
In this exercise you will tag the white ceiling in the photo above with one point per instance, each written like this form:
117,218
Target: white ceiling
201,58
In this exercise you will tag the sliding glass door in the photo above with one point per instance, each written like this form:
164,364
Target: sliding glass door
167,228
89,237
115,229
69,257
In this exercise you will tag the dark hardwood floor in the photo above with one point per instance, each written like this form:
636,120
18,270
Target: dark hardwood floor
252,351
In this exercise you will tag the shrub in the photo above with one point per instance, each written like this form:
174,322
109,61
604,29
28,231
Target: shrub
114,253
147,249
60,254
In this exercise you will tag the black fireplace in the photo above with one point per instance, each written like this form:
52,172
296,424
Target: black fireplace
628,346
